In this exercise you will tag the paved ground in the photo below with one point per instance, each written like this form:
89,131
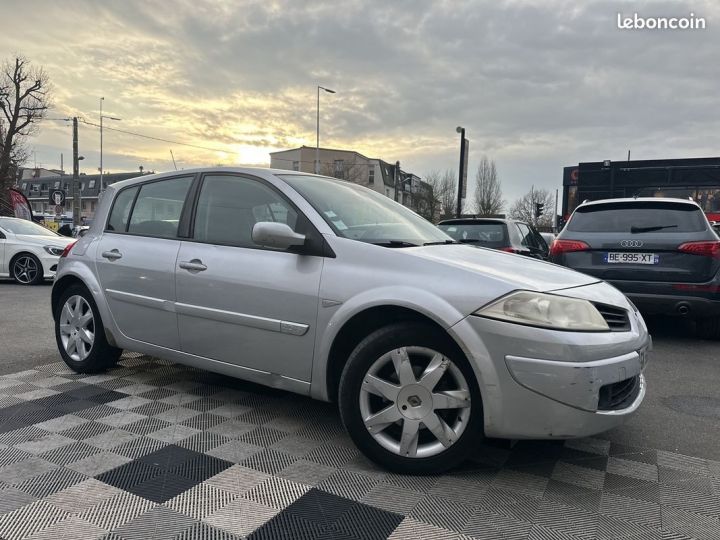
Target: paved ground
154,450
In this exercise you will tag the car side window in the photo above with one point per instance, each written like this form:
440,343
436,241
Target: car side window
121,210
158,207
229,207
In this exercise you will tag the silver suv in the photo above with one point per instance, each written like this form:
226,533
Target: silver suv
333,291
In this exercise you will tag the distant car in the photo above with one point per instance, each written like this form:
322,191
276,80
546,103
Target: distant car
29,252
495,233
661,252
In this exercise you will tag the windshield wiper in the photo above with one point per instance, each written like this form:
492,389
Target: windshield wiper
395,244
634,229
468,241
440,243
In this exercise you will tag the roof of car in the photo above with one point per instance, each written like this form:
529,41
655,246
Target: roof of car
639,199
257,171
471,221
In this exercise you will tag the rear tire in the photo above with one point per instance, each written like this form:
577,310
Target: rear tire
438,394
709,328
80,334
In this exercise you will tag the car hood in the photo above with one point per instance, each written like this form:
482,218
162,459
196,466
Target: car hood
57,241
517,271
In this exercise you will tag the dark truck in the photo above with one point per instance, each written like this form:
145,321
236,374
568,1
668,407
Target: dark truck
661,252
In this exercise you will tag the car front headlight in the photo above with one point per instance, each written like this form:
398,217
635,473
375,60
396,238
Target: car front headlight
52,250
547,311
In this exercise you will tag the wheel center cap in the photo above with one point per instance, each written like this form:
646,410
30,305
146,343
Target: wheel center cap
414,402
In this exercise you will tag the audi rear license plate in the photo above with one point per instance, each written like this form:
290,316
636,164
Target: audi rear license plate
631,258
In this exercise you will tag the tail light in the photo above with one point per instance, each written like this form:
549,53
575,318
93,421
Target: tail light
67,250
509,250
566,246
705,249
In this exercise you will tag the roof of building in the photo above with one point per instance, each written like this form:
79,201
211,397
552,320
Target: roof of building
85,181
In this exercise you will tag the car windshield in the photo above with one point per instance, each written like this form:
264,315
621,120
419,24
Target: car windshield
365,215
23,226
486,234
638,217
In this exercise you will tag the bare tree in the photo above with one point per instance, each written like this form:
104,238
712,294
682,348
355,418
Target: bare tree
448,198
524,208
428,198
488,192
24,100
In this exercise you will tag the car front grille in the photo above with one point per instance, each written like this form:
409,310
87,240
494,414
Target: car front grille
616,318
619,395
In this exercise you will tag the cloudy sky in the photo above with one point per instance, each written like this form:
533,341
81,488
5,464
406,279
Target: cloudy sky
537,84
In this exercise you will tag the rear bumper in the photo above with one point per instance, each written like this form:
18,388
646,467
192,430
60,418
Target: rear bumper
677,299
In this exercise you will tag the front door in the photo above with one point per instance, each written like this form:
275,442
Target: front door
240,303
136,260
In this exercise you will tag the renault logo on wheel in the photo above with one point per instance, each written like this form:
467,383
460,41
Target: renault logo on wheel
631,243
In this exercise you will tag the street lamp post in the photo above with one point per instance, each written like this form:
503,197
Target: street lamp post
317,132
461,131
102,116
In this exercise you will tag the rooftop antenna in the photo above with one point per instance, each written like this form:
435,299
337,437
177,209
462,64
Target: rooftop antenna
173,158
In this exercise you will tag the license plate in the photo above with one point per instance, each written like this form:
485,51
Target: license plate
631,258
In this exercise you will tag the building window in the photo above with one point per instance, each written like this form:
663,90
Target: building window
82,186
371,175
296,165
92,206
92,184
57,184
24,186
84,206
65,186
339,168
43,187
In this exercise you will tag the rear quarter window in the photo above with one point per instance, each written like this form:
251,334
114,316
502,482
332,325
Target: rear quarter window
638,217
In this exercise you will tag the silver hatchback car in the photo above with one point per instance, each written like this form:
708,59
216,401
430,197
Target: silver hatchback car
331,290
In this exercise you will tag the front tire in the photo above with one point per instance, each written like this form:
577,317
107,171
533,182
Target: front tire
410,401
80,334
27,269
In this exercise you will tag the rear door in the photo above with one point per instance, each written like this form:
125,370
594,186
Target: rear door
136,258
640,241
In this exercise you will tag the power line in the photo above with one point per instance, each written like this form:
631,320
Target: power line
156,138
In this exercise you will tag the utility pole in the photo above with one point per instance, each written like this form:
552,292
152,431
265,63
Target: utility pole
76,175
555,216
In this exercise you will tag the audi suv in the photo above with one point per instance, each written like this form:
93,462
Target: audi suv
334,291
661,252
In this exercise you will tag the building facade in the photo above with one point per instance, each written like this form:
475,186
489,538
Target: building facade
373,173
37,187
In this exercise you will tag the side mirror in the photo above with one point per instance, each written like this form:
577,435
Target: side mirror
276,235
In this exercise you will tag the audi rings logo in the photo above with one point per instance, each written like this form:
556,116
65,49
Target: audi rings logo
631,243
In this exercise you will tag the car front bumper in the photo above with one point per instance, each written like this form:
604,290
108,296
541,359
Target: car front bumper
544,384
49,264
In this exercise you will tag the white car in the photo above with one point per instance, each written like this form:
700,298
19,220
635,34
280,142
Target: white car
29,253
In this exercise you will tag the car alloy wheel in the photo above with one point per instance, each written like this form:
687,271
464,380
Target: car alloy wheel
415,402
25,269
77,328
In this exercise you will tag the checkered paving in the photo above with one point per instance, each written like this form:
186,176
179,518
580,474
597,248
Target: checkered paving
154,450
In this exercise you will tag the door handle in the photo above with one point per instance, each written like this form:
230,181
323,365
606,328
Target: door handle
112,255
194,265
